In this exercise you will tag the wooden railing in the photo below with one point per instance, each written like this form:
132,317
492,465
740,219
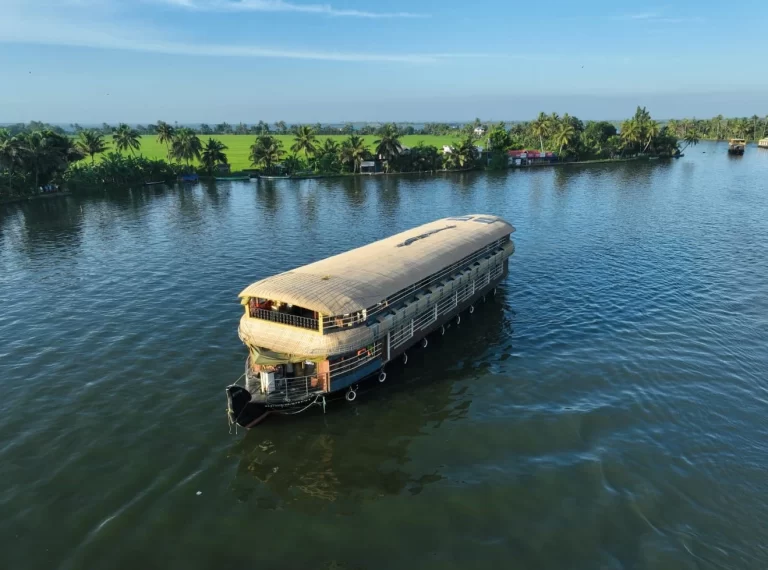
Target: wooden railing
285,319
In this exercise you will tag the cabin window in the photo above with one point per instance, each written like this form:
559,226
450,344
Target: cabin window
283,313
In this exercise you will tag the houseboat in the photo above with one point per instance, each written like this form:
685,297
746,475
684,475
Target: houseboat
762,143
321,329
736,146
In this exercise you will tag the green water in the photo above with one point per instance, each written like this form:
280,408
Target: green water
606,410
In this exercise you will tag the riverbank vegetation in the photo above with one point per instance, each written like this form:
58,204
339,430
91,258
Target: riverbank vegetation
37,155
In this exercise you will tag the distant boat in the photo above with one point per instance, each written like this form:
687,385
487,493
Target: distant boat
231,178
762,143
154,183
190,178
262,177
736,146
653,158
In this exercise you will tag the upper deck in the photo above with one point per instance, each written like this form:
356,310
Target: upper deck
347,288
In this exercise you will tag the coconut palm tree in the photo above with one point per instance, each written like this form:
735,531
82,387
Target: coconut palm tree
540,128
463,153
718,122
388,146
304,140
186,145
267,151
691,138
630,133
353,151
554,122
564,135
213,154
741,127
293,164
91,143
10,154
281,127
673,126
329,147
45,153
126,138
165,134
650,132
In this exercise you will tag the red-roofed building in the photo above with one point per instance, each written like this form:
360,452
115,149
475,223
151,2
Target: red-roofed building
526,157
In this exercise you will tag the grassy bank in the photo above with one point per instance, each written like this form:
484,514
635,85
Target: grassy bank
239,145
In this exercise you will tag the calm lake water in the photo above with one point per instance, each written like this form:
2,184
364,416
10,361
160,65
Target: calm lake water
606,410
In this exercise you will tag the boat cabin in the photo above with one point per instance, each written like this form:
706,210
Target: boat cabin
325,326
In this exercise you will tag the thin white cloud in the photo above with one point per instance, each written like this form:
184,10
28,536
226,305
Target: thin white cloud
656,18
283,6
644,16
99,24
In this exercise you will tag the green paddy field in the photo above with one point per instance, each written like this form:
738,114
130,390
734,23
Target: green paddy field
239,145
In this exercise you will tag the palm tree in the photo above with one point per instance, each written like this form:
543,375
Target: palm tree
165,134
564,135
281,127
463,153
754,118
266,151
126,138
630,133
10,154
652,130
691,138
540,128
305,140
213,154
91,143
293,164
186,145
388,147
330,147
673,126
353,151
718,121
554,122
742,126
327,157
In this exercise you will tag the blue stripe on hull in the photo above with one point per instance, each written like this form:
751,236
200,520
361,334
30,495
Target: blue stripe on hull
345,380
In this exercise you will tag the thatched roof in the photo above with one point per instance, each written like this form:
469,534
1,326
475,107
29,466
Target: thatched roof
360,278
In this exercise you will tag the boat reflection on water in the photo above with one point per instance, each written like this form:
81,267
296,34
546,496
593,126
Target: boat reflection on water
361,451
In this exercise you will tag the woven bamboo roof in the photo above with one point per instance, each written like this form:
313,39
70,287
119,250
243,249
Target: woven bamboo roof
360,278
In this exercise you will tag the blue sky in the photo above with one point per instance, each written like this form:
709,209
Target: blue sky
244,60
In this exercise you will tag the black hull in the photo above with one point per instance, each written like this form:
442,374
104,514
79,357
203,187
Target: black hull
242,411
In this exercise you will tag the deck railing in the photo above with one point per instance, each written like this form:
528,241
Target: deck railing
286,389
363,356
285,319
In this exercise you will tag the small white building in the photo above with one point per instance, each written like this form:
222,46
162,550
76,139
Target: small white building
480,131
447,149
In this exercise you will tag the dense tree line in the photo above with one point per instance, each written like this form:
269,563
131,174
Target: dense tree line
308,155
717,128
720,128
35,155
